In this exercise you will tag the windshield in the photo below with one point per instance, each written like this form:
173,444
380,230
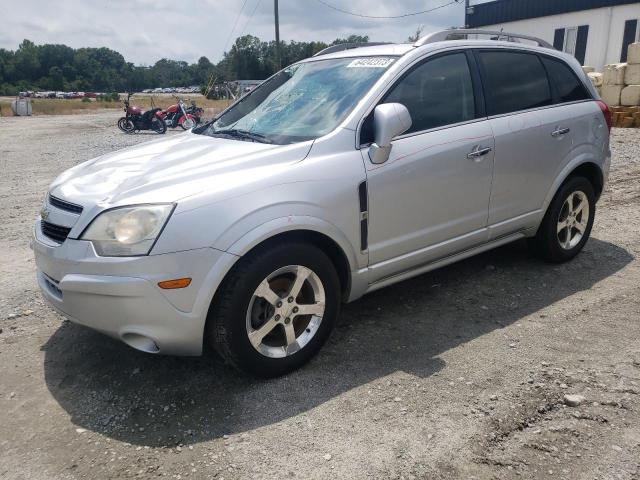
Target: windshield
301,102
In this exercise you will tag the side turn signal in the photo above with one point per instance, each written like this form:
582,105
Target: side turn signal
173,284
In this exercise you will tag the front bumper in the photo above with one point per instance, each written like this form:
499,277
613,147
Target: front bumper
119,296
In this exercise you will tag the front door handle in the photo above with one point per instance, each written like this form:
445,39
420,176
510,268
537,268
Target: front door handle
560,131
478,152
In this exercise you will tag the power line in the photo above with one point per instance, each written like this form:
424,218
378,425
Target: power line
246,25
333,7
235,24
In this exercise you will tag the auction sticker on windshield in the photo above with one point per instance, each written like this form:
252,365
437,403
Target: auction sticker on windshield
377,62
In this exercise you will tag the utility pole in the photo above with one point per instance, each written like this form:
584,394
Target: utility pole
275,11
466,13
468,10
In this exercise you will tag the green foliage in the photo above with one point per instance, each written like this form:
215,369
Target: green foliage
416,36
86,100
351,39
62,68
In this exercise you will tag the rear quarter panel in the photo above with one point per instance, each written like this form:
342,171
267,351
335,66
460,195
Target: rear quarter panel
590,144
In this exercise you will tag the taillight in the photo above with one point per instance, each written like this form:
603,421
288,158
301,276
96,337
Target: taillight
606,112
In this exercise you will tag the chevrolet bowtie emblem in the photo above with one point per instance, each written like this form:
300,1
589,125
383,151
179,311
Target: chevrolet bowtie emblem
44,213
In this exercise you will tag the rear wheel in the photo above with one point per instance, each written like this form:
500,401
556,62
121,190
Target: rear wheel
125,125
567,224
158,125
275,309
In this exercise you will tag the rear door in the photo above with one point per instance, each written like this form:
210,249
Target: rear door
532,138
574,109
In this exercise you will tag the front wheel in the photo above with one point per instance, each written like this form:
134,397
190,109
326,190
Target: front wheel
567,224
275,309
188,122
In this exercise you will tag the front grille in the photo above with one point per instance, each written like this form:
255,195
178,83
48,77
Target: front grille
54,232
64,205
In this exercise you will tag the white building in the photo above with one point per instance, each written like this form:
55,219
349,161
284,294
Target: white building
597,32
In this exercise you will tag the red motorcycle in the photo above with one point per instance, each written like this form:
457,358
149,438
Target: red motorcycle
180,114
135,119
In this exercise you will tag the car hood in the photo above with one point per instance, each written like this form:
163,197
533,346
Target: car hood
173,168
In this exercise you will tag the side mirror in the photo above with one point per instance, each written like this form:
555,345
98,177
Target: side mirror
389,121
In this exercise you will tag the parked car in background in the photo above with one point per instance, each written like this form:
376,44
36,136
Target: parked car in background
248,232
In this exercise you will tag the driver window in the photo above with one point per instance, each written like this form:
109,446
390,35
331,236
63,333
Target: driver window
437,92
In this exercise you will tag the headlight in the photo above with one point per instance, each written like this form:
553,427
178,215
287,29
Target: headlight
127,231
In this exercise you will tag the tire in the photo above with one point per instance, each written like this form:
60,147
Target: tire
158,126
239,312
125,125
188,123
563,232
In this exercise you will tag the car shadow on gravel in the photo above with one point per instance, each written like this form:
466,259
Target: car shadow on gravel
143,399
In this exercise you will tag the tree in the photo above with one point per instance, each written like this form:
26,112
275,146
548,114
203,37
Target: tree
416,36
59,67
56,79
26,61
351,39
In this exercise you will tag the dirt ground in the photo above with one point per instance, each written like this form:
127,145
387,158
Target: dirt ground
60,106
456,374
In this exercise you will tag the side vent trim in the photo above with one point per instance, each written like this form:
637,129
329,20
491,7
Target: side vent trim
364,216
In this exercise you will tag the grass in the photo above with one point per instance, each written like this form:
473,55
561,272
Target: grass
54,106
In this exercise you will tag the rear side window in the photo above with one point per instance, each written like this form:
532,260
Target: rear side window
514,81
568,87
438,92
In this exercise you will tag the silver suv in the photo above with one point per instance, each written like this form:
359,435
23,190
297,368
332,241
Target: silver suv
346,172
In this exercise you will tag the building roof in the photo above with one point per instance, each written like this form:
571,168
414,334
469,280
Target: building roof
503,11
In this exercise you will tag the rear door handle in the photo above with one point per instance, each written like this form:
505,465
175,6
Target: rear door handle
478,152
560,131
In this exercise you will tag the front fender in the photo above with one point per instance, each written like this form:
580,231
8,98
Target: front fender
304,223
291,223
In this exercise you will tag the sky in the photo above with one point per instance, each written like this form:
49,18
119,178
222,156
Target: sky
146,30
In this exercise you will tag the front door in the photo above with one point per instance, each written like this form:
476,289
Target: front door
430,198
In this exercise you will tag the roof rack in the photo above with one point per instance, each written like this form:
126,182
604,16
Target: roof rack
347,46
460,33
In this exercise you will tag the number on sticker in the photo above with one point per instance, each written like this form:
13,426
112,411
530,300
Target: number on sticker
371,63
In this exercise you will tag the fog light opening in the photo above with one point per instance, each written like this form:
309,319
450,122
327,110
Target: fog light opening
140,342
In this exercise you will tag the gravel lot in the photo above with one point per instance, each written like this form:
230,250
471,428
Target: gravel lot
460,373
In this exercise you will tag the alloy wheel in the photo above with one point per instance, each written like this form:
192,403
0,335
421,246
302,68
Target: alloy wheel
573,220
285,311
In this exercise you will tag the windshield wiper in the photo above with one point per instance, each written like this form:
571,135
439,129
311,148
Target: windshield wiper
244,134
